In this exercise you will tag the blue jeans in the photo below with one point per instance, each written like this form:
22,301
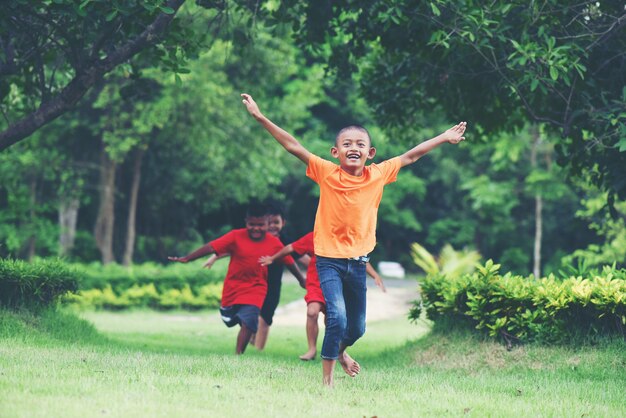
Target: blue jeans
343,284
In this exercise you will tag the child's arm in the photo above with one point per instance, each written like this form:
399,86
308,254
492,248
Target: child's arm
374,275
298,274
283,137
200,252
286,250
453,135
267,260
211,260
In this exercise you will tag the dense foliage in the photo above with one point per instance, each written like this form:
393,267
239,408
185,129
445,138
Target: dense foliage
34,285
522,309
184,286
159,156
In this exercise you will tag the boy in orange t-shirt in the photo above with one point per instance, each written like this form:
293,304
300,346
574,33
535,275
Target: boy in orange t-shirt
345,224
314,298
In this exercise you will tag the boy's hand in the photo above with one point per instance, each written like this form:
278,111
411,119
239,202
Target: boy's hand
178,259
266,260
209,263
379,282
251,105
454,135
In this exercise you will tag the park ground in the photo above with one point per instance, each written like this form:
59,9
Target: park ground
181,364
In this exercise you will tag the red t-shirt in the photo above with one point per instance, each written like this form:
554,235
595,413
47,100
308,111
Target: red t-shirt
246,279
304,245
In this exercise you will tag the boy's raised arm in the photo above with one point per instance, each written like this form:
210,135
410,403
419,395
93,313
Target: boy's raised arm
453,135
267,260
283,137
200,252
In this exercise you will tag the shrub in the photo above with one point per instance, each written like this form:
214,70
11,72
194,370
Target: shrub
517,308
35,284
206,297
163,277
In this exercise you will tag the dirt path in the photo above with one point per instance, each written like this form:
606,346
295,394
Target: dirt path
395,303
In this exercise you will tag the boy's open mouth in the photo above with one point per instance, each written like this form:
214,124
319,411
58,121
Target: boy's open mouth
354,156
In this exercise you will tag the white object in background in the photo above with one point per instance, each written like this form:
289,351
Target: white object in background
391,269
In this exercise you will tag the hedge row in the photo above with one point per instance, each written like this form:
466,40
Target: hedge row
36,284
148,296
520,309
164,277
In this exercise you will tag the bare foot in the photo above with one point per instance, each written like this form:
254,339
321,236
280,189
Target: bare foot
309,355
350,366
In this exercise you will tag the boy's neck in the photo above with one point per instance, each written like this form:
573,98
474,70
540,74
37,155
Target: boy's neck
353,171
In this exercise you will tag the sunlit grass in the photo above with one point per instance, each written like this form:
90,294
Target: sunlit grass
182,364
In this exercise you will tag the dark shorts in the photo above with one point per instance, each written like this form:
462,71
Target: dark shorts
241,314
274,284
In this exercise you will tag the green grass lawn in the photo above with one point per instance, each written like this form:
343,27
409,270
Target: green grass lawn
149,364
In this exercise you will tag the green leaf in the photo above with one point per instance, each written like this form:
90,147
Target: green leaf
435,9
554,73
167,10
534,84
111,15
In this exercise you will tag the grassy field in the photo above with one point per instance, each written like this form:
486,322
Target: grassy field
147,364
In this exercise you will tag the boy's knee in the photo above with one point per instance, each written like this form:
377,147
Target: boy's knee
312,314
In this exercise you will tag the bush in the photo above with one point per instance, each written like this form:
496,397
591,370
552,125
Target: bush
517,308
147,296
163,277
36,284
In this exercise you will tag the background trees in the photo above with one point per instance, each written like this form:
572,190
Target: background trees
152,162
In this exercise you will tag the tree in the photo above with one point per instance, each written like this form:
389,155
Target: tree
52,52
497,64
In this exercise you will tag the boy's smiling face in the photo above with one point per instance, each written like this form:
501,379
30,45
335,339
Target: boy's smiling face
353,148
257,227
275,224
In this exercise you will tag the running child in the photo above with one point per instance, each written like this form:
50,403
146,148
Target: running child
314,298
345,224
276,222
245,285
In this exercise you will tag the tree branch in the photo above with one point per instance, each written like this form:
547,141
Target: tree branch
83,81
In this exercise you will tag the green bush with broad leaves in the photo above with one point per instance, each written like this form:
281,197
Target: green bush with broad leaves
149,285
36,284
521,309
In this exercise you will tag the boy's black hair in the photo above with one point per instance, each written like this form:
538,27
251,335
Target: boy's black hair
355,128
256,209
275,208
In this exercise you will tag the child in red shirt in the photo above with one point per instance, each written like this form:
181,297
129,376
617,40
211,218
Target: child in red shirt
314,297
245,285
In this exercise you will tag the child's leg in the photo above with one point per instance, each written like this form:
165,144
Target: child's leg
330,271
248,318
355,297
312,329
260,338
354,293
242,339
268,309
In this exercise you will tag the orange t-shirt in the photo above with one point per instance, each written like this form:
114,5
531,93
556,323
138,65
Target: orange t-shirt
345,223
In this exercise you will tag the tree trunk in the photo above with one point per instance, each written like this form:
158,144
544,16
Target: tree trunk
538,205
103,230
31,246
68,216
538,235
132,209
